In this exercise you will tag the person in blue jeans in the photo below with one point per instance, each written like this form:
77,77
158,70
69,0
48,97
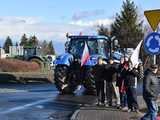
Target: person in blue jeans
120,84
130,83
150,92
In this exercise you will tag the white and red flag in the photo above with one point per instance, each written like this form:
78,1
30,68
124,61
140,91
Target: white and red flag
135,55
85,55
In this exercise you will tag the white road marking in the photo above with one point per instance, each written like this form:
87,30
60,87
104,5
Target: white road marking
26,106
6,90
40,106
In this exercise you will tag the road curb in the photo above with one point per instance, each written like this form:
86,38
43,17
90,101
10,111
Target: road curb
73,117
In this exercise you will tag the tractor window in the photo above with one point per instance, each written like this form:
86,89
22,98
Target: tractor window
76,47
92,45
95,46
103,46
29,52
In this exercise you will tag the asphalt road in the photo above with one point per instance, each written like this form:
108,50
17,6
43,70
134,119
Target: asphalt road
38,102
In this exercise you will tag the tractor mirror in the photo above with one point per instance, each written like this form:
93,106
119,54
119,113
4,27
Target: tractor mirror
67,45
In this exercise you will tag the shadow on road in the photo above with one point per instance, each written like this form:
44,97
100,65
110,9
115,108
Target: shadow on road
65,105
23,77
5,78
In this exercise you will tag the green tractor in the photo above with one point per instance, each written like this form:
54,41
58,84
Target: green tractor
33,54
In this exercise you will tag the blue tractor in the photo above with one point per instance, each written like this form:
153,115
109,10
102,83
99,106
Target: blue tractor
68,71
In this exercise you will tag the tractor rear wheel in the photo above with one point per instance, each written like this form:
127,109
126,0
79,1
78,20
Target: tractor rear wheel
63,80
38,61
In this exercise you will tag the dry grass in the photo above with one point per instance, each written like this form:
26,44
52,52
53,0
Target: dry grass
14,65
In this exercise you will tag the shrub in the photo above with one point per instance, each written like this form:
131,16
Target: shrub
14,65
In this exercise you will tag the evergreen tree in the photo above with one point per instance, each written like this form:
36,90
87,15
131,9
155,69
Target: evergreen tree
7,43
24,40
51,48
33,41
45,48
127,27
102,30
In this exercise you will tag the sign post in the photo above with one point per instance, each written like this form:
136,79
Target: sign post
152,44
153,40
153,17
154,59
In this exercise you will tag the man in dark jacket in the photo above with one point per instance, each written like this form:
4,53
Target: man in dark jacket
130,84
150,92
120,84
99,79
111,86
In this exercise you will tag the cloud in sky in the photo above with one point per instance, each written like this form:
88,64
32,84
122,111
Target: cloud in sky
86,14
15,27
18,20
94,23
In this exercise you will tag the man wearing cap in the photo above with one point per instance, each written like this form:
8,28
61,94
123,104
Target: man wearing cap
150,92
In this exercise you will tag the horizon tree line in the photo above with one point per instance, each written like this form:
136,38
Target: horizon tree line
31,42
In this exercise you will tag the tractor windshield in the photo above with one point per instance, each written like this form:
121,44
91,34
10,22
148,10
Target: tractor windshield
95,46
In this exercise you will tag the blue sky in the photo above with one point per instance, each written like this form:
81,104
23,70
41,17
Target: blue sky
51,19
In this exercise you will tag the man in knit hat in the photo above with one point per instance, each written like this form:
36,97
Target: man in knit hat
150,92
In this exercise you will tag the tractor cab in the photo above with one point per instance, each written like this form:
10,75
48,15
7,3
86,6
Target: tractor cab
31,51
96,45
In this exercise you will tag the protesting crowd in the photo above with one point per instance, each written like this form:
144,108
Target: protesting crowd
116,86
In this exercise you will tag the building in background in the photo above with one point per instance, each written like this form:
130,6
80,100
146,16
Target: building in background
2,53
16,51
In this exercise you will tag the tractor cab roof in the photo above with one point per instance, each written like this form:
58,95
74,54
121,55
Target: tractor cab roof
88,37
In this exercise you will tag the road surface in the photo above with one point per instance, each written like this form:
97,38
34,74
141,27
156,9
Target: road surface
38,102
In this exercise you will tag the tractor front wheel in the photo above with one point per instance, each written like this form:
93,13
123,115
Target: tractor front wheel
63,80
89,82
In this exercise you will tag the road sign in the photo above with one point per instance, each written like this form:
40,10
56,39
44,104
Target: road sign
153,17
152,43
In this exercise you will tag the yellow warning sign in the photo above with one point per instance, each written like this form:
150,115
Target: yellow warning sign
153,17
